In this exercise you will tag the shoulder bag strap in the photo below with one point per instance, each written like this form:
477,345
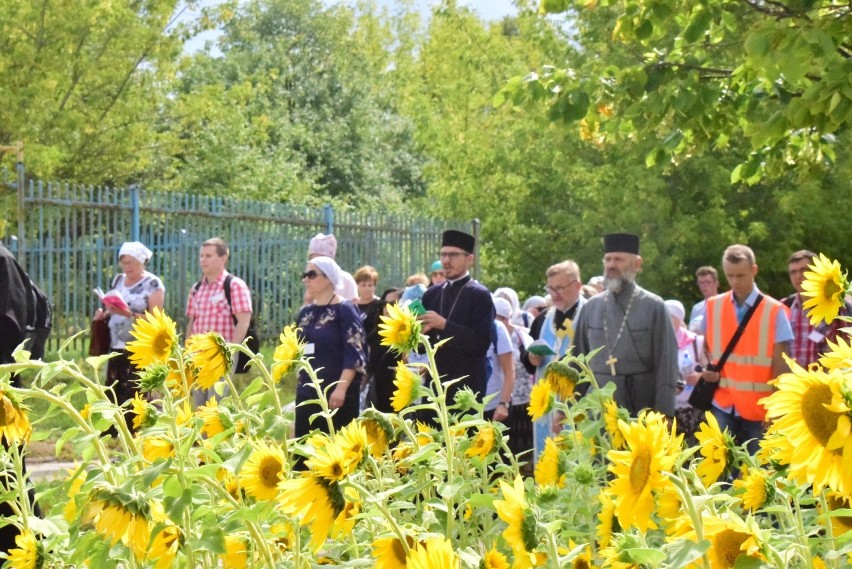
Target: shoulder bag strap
736,337
227,286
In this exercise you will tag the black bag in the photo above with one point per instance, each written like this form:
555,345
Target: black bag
702,394
253,337
39,320
99,337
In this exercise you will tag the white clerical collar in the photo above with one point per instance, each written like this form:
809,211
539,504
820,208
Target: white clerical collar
454,281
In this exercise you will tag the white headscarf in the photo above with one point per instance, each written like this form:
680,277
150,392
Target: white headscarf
331,270
136,250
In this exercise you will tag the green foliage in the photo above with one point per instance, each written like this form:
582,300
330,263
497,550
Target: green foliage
293,108
694,75
81,84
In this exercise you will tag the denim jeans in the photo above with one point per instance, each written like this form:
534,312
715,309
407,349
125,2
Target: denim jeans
743,430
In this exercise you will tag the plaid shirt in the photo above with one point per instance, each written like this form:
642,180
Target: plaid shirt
803,348
209,307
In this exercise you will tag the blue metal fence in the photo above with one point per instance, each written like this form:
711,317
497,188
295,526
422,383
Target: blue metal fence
72,234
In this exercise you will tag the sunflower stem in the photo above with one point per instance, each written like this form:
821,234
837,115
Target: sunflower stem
829,530
388,515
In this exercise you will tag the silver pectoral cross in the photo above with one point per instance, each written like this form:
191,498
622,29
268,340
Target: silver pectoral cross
611,363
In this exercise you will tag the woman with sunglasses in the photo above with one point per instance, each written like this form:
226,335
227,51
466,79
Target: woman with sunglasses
336,343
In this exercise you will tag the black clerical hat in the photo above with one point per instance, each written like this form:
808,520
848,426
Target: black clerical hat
621,243
460,239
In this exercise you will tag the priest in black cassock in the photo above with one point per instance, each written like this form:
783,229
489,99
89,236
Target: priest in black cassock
632,328
461,309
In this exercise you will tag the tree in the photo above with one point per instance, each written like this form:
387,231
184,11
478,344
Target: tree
292,110
81,84
698,74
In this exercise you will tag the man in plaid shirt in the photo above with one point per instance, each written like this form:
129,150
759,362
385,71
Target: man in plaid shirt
207,308
809,342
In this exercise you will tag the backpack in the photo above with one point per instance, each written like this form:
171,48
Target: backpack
253,342
39,320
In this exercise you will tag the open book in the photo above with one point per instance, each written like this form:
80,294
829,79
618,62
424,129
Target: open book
540,348
112,299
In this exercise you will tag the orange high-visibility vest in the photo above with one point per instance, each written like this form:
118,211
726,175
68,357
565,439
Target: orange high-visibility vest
749,367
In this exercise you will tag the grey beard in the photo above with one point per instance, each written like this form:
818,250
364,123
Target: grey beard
616,284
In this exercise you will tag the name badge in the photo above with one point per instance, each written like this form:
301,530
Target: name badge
217,298
310,349
816,336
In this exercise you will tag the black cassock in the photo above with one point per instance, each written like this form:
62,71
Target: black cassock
469,310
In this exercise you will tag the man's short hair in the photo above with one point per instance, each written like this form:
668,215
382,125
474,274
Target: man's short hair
366,273
707,270
739,253
219,243
802,255
568,267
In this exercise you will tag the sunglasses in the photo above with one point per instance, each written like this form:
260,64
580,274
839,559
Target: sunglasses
310,275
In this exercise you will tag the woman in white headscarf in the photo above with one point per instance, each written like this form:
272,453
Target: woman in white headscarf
335,341
141,292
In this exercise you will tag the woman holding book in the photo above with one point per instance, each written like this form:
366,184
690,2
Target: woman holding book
134,291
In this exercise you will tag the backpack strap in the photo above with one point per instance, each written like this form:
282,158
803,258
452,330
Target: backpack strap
227,287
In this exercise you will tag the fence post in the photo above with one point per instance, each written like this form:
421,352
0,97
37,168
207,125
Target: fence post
19,168
134,205
183,254
328,213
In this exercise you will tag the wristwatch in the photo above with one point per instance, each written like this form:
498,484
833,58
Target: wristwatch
506,404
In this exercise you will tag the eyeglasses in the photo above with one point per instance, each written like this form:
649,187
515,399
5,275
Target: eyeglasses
559,289
452,254
310,275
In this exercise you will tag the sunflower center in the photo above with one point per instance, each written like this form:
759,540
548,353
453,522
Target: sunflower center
269,472
726,546
821,422
640,470
831,289
581,563
398,551
162,344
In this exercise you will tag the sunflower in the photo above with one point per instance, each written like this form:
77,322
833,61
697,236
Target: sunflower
390,552
562,379
211,420
826,287
27,554
15,425
619,553
379,432
77,480
400,329
400,453
154,448
155,338
352,440
236,553
210,356
142,412
117,520
730,538
715,448
753,488
174,380
608,523
839,524
165,546
345,520
671,511
548,467
262,472
639,469
436,553
612,414
839,355
541,400
287,353
483,443
407,384
330,462
520,532
493,559
314,501
583,559
812,424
